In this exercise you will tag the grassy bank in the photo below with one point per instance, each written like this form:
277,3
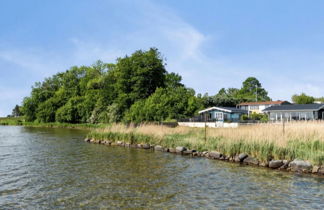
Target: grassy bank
11,120
302,140
21,121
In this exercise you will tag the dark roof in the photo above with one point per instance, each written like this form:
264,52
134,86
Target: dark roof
264,103
225,109
295,107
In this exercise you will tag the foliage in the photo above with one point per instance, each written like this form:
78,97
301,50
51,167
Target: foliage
244,117
165,104
321,99
136,88
251,91
16,112
255,116
302,99
103,93
12,120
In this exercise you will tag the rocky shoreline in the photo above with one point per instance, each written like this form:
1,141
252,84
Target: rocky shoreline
299,166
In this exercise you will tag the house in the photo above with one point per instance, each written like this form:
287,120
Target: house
258,107
222,114
215,117
296,112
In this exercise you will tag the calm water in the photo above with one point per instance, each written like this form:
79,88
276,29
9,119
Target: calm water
54,168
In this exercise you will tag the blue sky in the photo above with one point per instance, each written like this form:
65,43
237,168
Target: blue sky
211,43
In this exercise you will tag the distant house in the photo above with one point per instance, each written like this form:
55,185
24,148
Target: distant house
258,107
221,114
296,112
215,117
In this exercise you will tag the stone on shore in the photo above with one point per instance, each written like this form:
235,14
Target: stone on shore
264,164
166,150
172,150
106,142
321,170
315,169
215,155
300,166
158,148
204,154
285,165
275,164
187,152
146,146
250,161
180,149
240,157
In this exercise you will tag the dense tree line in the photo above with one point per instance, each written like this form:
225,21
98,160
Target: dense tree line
251,90
112,92
136,88
306,99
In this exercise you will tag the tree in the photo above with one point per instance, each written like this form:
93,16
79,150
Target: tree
72,111
173,80
302,99
16,112
103,93
224,97
165,104
321,99
252,91
138,76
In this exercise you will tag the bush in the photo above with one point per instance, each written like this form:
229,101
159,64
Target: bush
70,112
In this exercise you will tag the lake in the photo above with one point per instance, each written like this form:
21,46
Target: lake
47,168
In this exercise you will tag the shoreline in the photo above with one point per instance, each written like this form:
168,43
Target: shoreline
295,166
141,141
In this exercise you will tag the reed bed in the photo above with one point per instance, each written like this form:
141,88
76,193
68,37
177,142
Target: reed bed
299,140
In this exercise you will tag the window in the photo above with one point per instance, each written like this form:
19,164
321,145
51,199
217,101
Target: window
219,116
254,107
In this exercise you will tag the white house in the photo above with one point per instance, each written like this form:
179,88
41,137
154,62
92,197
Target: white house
258,107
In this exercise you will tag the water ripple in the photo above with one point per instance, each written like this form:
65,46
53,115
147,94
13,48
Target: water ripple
54,168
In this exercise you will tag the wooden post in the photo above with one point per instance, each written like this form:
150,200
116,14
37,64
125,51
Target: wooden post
205,128
283,126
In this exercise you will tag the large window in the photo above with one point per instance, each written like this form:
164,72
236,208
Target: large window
292,115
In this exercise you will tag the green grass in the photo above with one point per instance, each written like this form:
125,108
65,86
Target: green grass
21,122
11,120
312,150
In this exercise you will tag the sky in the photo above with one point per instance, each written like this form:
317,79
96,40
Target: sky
211,43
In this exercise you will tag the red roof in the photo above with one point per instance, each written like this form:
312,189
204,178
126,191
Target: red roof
262,103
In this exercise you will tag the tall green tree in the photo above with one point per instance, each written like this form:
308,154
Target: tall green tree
138,76
252,90
16,112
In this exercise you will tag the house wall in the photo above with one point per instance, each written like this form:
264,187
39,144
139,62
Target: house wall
293,115
209,124
226,116
257,108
